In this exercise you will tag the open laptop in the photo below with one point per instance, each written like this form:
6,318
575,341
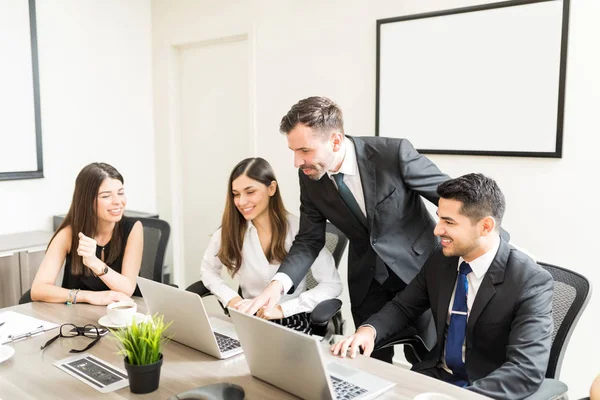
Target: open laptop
294,362
212,336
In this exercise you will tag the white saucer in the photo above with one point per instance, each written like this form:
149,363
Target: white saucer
105,321
6,352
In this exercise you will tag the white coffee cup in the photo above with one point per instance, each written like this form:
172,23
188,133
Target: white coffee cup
433,396
121,312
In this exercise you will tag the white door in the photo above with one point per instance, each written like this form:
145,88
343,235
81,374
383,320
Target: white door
216,133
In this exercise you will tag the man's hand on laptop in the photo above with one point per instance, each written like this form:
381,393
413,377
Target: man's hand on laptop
266,300
364,338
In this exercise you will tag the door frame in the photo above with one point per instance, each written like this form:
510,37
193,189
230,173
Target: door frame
218,36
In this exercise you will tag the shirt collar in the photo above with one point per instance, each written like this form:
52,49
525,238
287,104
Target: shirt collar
250,226
349,164
481,264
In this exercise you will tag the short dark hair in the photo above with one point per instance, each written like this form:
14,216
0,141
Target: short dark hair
318,113
479,194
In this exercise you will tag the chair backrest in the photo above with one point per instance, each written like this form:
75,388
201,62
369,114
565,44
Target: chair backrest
335,242
572,292
156,236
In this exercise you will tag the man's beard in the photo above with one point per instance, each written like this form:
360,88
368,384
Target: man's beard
317,171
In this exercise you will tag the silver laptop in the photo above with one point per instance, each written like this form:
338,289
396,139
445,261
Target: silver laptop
294,362
191,324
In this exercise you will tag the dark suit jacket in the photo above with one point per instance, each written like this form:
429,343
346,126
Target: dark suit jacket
509,330
399,228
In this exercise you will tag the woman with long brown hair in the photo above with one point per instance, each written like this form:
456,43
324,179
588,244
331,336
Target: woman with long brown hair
100,248
255,235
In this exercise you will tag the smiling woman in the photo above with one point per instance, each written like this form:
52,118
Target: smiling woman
255,236
100,248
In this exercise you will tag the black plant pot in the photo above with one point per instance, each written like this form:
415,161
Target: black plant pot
143,378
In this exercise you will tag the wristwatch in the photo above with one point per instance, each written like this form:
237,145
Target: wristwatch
104,271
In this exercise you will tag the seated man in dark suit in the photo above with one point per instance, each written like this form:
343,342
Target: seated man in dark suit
492,304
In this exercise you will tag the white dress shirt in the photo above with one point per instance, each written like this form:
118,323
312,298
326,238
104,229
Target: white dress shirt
479,267
256,272
349,168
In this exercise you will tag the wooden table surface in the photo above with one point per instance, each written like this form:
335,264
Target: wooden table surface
30,373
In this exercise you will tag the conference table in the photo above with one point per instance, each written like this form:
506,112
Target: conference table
30,373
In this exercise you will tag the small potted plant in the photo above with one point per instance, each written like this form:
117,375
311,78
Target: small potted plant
141,344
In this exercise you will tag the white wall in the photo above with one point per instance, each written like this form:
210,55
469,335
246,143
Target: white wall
328,48
95,65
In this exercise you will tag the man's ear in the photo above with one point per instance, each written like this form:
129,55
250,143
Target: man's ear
272,188
488,225
337,138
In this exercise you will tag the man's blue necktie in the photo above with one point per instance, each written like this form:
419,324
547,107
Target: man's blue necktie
458,327
381,273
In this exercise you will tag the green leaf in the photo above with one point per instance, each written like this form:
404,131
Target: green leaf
142,343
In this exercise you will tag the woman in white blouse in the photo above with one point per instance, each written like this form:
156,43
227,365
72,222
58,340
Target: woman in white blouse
255,235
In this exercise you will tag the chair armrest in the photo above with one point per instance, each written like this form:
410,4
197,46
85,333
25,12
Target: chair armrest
324,311
550,389
199,289
26,298
407,337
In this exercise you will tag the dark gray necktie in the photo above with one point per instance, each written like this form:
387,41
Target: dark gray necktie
348,198
381,273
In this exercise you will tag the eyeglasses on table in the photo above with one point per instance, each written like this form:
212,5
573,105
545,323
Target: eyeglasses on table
72,330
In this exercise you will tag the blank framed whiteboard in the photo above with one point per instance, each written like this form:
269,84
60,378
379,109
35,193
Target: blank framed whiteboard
20,121
481,80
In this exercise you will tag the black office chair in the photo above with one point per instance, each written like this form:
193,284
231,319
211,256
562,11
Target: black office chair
572,292
407,337
156,237
326,318
26,297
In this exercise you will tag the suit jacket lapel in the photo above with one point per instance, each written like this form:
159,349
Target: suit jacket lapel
332,196
329,191
447,278
366,169
486,292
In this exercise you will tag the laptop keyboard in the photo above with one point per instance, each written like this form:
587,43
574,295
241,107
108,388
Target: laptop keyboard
345,390
226,343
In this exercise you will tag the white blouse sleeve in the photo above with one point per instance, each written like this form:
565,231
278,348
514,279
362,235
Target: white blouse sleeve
211,269
329,286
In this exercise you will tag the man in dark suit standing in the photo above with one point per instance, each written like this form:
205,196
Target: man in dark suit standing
492,304
370,188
